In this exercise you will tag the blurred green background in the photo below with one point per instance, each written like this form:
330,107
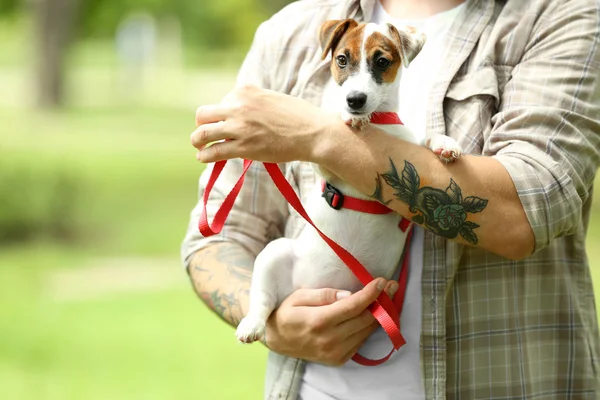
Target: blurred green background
97,178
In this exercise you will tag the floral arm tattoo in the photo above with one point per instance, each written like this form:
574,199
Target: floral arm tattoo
221,275
444,212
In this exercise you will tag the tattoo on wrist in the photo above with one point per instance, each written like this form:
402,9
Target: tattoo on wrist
444,212
235,278
226,305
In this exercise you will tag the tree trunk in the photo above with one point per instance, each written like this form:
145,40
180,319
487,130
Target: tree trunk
54,20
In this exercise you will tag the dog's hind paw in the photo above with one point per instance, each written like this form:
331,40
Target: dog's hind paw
446,148
250,330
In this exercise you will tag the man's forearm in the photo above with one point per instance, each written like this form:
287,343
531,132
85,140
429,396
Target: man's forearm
221,275
472,200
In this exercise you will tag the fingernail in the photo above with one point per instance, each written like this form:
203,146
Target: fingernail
342,295
381,284
393,288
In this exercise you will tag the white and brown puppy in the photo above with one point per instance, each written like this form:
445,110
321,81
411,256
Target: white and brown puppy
367,62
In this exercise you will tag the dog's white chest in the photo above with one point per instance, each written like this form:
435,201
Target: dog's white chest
375,241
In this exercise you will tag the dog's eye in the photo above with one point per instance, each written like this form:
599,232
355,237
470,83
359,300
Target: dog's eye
383,63
341,61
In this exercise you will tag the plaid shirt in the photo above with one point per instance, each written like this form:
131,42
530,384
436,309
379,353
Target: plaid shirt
520,84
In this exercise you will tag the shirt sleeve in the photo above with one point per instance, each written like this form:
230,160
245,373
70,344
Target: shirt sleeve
546,133
260,211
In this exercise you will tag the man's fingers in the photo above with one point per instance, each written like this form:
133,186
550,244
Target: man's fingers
356,340
317,297
365,318
211,113
357,324
391,288
208,133
352,306
351,353
218,152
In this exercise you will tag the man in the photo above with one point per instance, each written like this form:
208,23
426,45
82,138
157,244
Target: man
505,312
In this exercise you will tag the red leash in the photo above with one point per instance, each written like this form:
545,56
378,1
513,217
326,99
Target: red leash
386,311
337,201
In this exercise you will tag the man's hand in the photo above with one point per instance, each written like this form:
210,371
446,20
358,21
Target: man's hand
325,325
261,125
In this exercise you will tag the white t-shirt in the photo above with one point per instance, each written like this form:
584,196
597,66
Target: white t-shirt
400,376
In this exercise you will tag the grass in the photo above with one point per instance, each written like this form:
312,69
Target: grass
140,178
149,345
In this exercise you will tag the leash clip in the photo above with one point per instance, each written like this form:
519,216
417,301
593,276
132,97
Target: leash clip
333,196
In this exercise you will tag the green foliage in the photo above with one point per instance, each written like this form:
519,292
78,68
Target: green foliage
223,23
117,181
37,200
212,24
8,6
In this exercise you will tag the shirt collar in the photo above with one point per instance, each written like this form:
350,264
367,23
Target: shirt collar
367,7
361,10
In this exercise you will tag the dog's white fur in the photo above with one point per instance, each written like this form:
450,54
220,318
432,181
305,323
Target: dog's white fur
375,240
363,82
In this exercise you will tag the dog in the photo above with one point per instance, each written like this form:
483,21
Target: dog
366,67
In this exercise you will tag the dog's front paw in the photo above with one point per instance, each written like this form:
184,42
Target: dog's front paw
250,330
356,123
360,123
446,148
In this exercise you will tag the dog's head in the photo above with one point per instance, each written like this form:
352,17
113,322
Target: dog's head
366,61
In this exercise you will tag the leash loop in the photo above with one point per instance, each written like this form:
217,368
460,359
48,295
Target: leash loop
385,310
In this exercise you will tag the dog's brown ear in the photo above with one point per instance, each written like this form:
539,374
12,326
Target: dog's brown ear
410,42
331,33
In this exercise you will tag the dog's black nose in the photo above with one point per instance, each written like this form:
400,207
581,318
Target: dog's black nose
356,100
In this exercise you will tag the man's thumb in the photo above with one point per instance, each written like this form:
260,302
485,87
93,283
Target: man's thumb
318,297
